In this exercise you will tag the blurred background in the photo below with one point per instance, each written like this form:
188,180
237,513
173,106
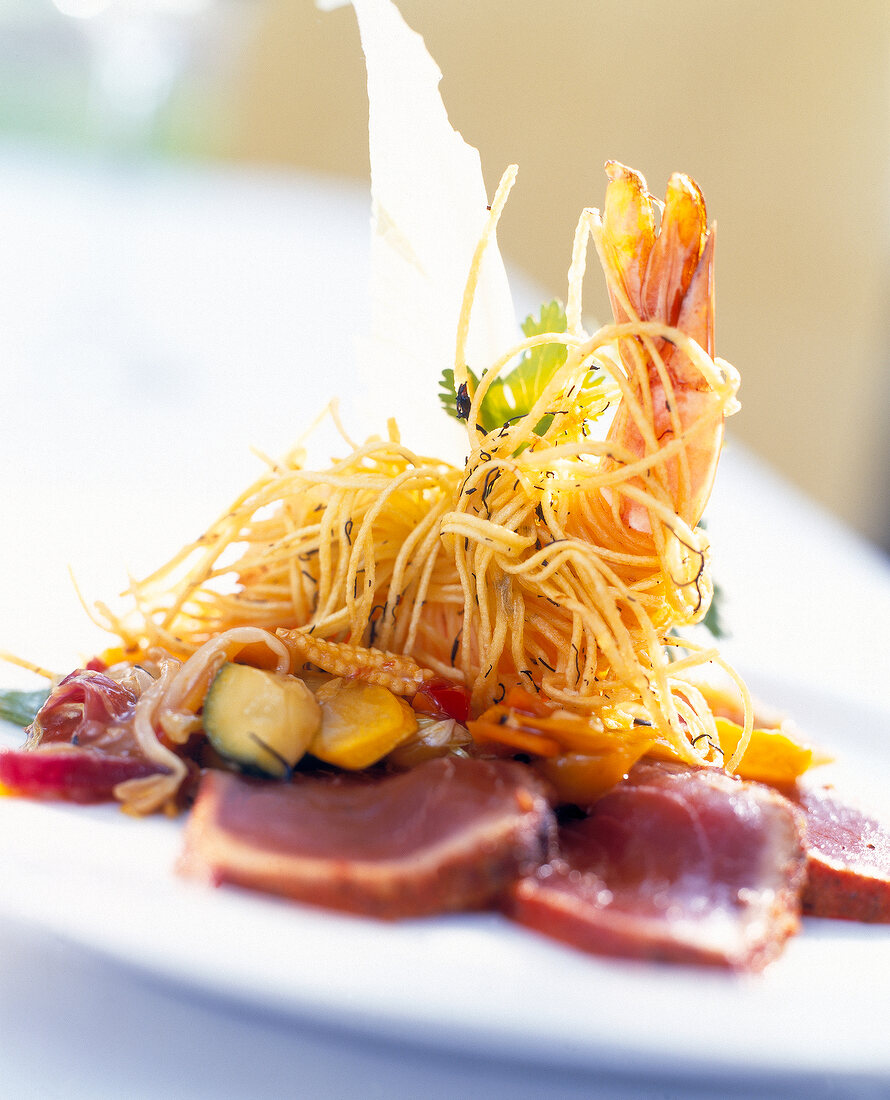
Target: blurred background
780,110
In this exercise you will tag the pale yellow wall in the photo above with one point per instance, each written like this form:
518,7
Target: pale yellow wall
781,110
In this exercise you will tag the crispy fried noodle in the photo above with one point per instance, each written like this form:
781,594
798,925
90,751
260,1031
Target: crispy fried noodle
562,556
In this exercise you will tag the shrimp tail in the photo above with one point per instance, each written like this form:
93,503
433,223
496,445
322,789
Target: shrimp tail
665,275
628,222
696,316
658,260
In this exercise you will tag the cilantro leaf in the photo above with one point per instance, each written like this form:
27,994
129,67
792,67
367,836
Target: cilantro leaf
538,365
713,620
448,395
515,395
21,707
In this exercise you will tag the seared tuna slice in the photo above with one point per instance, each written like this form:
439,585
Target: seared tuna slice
450,834
675,864
848,860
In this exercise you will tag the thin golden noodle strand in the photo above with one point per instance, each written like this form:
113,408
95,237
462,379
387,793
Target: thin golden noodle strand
515,569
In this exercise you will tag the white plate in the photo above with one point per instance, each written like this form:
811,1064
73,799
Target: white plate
473,983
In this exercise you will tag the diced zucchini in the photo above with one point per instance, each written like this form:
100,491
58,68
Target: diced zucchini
261,720
360,724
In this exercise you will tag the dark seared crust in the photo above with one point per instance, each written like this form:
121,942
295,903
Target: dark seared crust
452,834
848,860
675,865
838,893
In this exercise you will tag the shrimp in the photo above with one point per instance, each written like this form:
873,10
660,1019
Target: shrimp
666,276
611,559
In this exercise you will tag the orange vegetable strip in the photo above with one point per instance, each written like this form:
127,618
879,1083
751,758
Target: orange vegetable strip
771,756
573,732
517,739
520,699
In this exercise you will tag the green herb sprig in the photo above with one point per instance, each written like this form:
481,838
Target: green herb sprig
515,394
21,707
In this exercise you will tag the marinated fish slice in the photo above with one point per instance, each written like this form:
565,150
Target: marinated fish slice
451,834
676,864
848,860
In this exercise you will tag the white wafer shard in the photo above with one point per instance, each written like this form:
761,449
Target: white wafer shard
429,211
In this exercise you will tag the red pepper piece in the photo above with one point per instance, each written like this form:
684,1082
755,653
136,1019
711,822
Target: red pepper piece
444,699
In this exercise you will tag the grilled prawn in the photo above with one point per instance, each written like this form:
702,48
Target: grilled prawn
666,276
